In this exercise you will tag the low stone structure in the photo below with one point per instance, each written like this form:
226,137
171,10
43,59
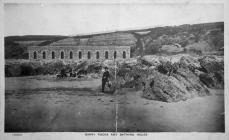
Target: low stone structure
77,53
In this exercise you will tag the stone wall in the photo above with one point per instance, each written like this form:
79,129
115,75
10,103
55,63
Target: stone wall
75,50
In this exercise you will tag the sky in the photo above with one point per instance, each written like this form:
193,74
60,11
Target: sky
74,19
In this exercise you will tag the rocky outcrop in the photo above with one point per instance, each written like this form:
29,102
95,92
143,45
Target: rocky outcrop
214,71
184,76
180,86
212,63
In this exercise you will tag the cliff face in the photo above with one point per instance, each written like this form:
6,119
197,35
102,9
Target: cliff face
197,38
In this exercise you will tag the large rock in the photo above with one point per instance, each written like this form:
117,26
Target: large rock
131,61
189,61
180,86
150,60
155,60
214,68
212,63
208,80
188,80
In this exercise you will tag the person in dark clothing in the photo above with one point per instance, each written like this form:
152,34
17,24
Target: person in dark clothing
63,73
105,78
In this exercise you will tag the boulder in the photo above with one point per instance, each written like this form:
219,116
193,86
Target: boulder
213,80
212,63
189,61
154,60
130,62
214,68
180,86
150,60
207,79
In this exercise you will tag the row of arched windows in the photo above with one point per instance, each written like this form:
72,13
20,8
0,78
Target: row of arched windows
80,55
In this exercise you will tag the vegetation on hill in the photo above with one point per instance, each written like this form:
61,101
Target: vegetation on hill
210,33
197,38
16,50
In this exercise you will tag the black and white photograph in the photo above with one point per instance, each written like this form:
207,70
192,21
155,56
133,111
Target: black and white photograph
114,67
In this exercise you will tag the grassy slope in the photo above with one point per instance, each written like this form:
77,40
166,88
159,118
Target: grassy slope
145,41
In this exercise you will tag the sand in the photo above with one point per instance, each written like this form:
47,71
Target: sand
44,104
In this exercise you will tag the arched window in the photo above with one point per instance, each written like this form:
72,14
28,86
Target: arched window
71,55
53,55
80,55
124,54
97,55
115,55
62,55
34,55
88,55
44,55
106,55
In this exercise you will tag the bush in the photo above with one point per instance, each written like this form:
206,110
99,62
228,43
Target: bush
94,68
12,70
38,70
31,68
129,77
162,69
122,72
23,69
52,68
83,65
168,68
26,70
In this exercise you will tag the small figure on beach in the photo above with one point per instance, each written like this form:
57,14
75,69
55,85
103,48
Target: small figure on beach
62,74
105,78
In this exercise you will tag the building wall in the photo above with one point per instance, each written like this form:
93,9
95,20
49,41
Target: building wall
75,49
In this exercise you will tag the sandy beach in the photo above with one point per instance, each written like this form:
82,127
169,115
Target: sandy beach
45,104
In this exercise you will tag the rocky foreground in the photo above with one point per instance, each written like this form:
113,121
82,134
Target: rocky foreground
170,78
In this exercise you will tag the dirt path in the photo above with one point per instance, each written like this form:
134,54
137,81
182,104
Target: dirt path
61,107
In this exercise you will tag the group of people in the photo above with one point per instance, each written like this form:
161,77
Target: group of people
78,74
105,77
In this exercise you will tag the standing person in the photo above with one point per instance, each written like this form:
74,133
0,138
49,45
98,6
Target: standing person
105,78
62,73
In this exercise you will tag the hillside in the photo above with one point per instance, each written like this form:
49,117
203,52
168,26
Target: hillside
16,46
197,38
